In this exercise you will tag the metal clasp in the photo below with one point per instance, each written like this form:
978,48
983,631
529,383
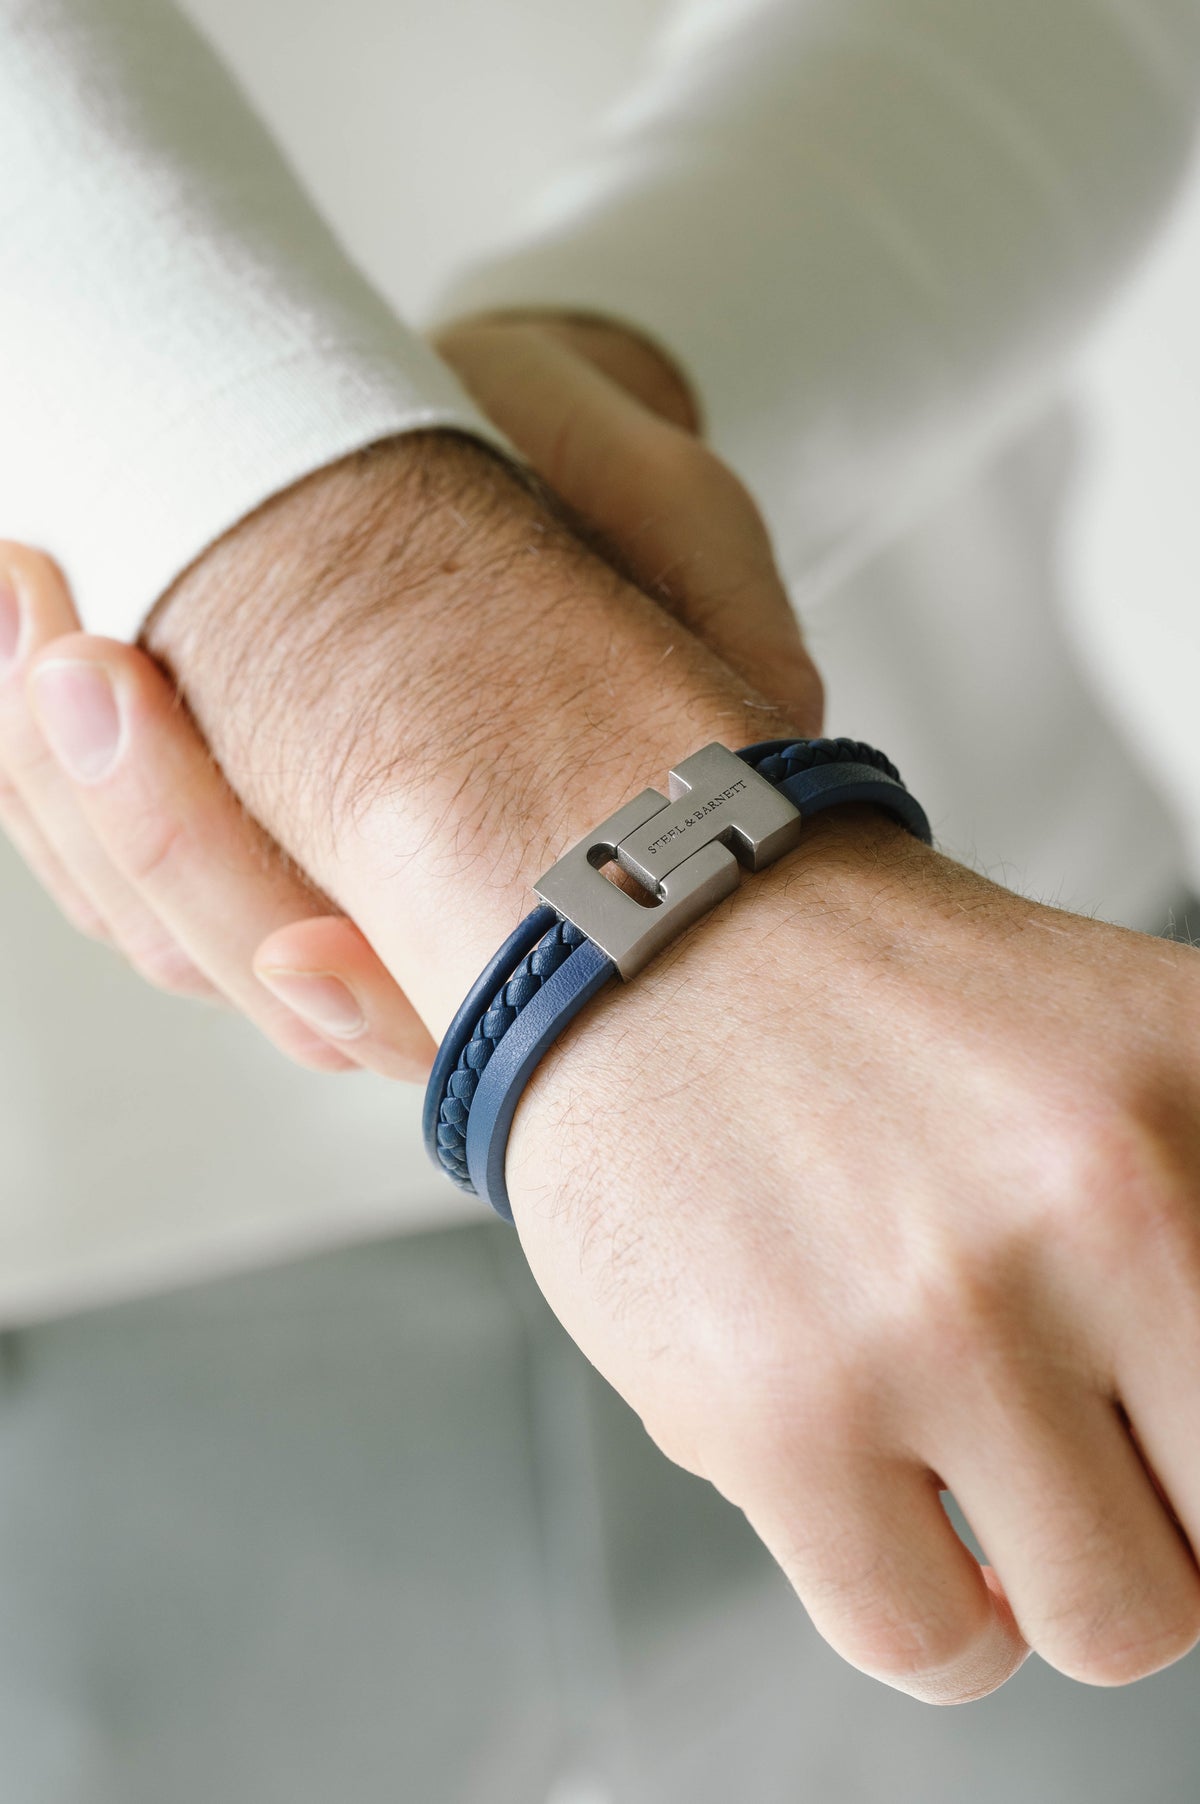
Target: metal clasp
684,849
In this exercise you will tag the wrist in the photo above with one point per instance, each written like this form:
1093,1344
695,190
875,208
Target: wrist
426,689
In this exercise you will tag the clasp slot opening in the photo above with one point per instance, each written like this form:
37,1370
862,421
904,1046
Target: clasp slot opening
605,860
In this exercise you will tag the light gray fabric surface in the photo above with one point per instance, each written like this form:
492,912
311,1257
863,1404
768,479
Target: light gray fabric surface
368,1528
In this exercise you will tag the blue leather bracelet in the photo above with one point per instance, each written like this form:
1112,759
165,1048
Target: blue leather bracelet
685,850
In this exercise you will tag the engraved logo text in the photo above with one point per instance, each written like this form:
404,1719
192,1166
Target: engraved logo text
698,814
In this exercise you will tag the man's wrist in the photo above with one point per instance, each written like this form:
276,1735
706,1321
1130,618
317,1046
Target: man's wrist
426,688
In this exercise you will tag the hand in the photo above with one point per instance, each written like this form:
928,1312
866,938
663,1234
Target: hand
113,799
607,424
880,1180
885,1182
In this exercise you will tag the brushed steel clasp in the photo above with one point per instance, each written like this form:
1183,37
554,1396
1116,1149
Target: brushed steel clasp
684,849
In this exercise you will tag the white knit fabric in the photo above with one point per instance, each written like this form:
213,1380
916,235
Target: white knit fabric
872,230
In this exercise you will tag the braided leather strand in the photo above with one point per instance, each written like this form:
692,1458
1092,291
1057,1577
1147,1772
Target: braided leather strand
778,759
550,952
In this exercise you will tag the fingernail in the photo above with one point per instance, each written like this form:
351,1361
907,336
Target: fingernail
76,706
322,1000
10,625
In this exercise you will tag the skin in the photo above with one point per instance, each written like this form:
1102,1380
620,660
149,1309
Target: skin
880,1180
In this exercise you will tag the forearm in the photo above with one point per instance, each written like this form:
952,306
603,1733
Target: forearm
426,688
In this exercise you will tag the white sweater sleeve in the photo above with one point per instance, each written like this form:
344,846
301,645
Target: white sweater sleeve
869,230
180,334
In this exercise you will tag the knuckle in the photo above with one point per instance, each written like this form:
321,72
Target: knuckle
1100,1161
1115,1188
1094,1183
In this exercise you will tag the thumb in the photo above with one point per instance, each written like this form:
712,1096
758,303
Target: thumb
673,517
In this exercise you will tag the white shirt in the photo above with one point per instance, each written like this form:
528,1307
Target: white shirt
876,234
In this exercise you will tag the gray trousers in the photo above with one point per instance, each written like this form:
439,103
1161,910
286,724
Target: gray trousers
369,1528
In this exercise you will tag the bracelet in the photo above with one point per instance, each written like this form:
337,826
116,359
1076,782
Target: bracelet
685,850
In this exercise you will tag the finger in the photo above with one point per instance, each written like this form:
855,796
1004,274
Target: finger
45,612
326,971
163,814
31,847
682,523
635,362
878,1566
1101,1582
